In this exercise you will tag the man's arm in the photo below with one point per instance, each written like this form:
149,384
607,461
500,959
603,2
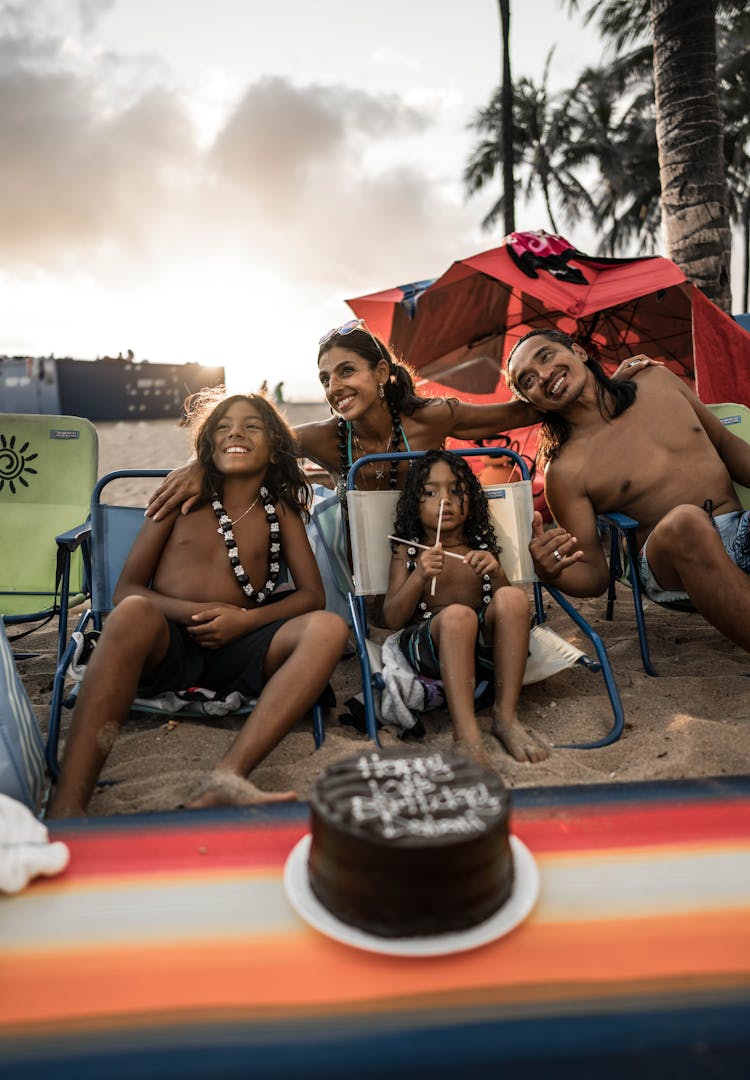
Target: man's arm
733,451
581,569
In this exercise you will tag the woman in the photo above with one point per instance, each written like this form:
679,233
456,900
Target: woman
376,409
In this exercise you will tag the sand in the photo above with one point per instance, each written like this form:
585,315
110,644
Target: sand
691,721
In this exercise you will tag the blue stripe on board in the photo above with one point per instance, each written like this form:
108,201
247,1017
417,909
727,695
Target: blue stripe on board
708,1041
532,798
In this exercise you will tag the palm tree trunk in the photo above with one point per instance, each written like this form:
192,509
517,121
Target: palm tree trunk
509,209
695,211
746,255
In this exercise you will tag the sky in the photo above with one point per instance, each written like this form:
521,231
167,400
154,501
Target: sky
209,180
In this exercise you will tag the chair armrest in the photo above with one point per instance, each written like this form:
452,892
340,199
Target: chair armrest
73,538
620,521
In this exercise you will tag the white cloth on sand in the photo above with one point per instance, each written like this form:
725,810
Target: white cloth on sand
25,848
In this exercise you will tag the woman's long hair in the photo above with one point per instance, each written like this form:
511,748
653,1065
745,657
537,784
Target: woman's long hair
284,477
613,396
478,528
400,392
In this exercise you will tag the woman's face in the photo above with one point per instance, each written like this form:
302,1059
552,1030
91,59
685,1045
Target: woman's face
351,386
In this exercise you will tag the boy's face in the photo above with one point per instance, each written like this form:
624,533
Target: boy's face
442,484
241,441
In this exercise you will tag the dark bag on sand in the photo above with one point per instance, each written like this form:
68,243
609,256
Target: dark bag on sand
22,768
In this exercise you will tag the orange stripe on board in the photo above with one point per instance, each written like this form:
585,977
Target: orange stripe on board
308,971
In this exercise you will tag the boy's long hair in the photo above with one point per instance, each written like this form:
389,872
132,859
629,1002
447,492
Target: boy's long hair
284,477
399,388
478,528
613,396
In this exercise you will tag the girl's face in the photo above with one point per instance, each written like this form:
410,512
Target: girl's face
351,386
241,441
441,483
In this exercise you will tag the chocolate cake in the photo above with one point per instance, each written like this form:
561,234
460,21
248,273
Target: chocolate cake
410,844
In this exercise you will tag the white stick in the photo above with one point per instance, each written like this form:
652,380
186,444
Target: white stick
437,540
413,543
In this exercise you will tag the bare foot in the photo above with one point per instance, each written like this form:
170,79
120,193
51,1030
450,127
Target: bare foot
476,752
224,788
520,743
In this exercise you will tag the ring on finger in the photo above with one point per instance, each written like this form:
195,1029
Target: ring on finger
557,555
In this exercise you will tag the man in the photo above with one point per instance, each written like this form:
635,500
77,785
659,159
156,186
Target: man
647,448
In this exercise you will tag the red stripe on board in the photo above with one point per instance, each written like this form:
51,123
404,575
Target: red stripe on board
647,825
213,846
205,847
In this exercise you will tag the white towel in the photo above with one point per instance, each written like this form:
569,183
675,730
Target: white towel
25,850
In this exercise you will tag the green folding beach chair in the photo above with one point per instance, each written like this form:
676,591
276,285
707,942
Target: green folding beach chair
48,467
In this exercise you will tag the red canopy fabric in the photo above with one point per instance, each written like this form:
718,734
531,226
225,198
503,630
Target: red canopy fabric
457,329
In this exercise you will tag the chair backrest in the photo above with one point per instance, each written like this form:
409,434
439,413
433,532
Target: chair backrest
48,467
737,419
371,516
113,531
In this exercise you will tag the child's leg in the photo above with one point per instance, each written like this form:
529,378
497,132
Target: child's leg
454,631
507,621
135,640
299,663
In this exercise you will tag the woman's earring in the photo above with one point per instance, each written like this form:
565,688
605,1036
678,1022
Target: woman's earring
381,391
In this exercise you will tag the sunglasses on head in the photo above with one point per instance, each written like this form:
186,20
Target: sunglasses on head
353,324
347,328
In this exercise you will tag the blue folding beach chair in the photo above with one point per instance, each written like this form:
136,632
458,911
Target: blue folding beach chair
109,535
371,515
623,545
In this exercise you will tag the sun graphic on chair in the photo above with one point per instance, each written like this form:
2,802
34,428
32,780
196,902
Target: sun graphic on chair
14,463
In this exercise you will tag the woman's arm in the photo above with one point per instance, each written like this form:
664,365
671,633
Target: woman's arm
181,490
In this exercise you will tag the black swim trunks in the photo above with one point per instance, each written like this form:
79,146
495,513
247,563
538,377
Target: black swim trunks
421,651
236,666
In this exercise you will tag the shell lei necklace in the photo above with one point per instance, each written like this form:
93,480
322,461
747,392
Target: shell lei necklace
243,514
274,549
422,607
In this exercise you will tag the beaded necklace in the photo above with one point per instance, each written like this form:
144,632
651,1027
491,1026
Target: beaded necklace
411,565
345,433
274,547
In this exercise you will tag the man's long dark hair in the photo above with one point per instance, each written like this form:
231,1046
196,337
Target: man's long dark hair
478,528
613,396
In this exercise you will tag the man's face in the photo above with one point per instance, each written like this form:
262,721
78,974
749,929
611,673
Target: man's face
550,375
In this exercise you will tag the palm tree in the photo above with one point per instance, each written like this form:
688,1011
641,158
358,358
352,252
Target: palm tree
695,201
507,135
539,151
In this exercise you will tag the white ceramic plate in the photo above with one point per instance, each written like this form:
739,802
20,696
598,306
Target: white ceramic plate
514,910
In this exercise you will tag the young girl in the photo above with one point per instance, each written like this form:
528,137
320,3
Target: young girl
197,604
475,622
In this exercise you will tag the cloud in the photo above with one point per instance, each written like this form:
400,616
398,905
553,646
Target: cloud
101,165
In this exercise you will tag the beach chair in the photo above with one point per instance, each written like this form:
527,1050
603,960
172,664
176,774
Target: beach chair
371,515
48,467
623,545
110,534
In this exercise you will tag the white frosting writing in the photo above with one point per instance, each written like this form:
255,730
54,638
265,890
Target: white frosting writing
413,797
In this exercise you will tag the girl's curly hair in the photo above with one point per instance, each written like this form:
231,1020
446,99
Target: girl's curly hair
284,477
478,528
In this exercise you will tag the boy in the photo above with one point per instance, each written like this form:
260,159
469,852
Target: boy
187,611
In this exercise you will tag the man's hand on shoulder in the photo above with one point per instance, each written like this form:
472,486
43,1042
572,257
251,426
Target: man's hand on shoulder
634,365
